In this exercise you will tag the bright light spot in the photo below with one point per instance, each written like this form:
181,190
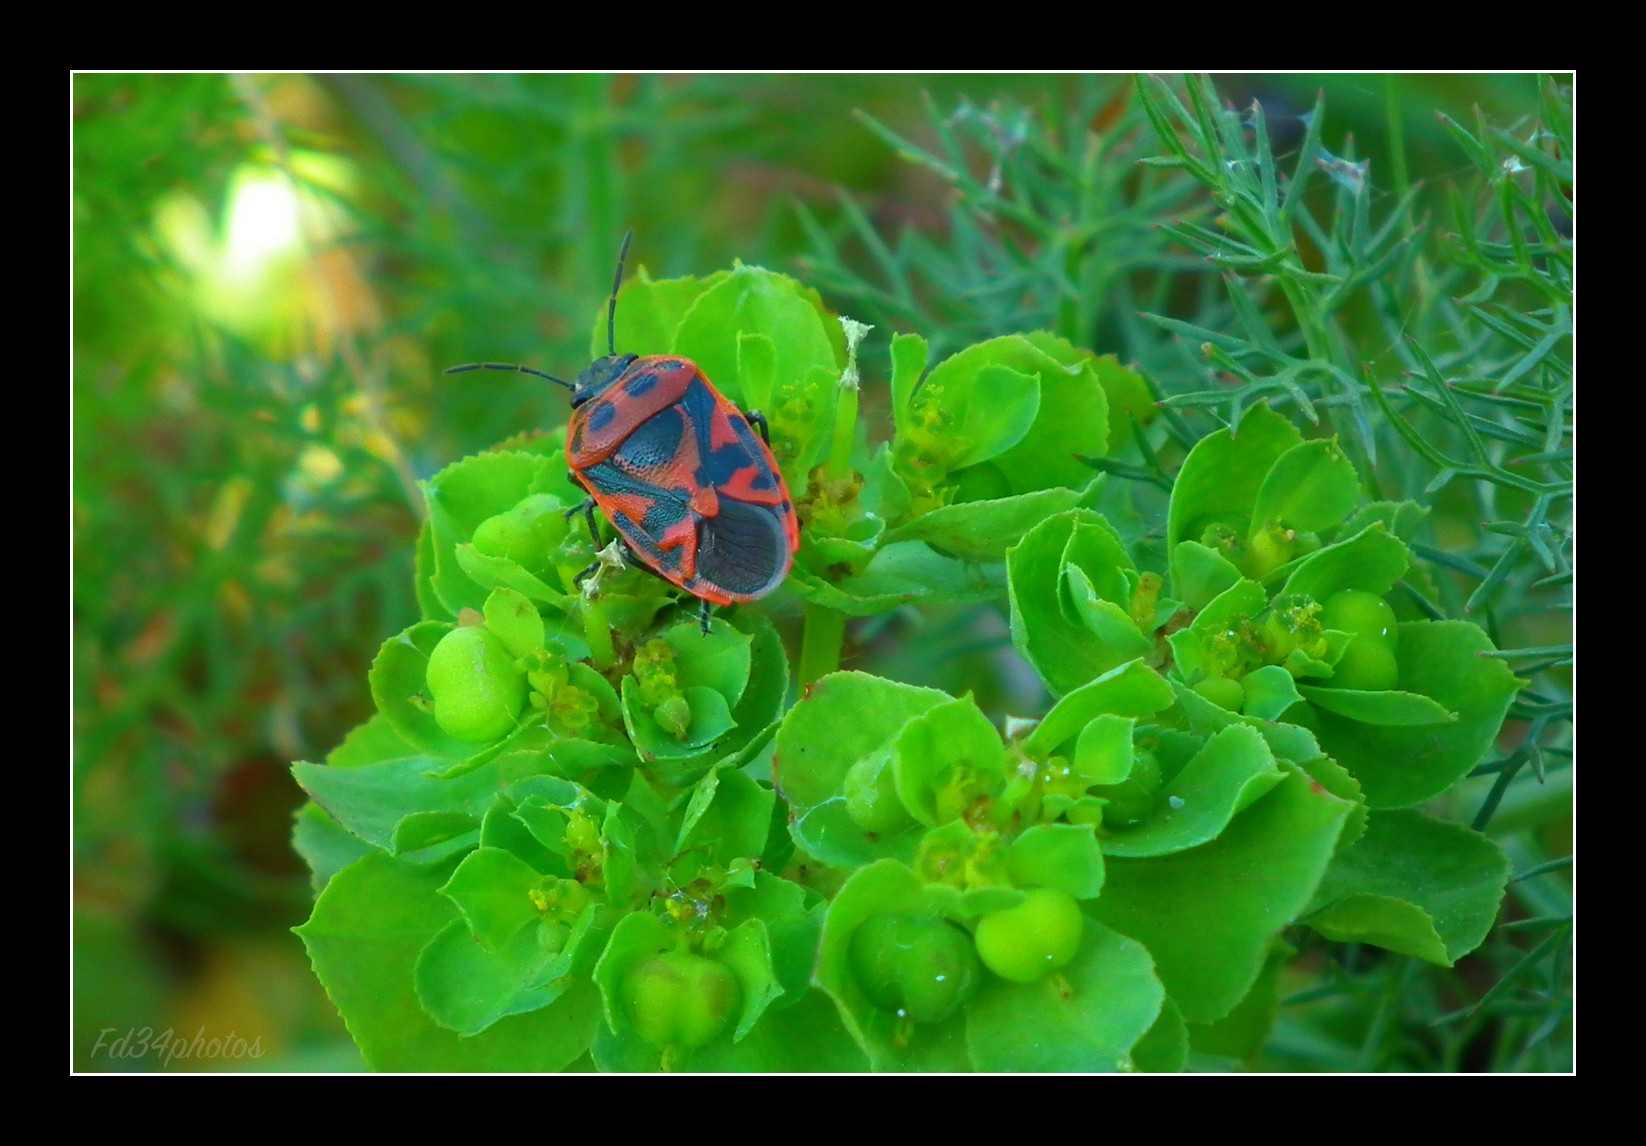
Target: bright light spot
262,223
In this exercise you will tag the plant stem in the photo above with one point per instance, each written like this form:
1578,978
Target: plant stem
598,634
820,643
845,422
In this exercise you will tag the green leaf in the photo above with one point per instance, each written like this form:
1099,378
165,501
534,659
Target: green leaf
1072,422
1132,689
885,497
324,844
428,603
756,713
1230,896
1130,401
729,814
649,312
1065,857
984,530
806,1038
429,836
747,951
369,800
792,928
1200,573
753,300
1386,706
710,718
1269,692
1373,560
901,573
638,936
1221,477
1241,1033
947,760
1413,884
987,395
515,621
1242,599
844,718
1234,769
757,368
1164,1048
1085,1018
1401,518
370,743
719,660
1286,741
909,356
1311,487
1104,751
368,928
502,830
1110,623
1400,766
1095,548
467,988
493,573
492,890
466,493
1046,628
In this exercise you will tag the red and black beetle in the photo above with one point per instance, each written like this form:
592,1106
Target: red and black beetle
678,470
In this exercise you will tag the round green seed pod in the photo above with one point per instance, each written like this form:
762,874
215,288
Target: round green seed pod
1357,611
525,534
920,966
478,690
1367,664
680,999
1369,661
1133,799
1024,944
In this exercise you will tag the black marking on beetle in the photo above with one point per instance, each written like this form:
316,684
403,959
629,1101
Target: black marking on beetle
640,384
602,417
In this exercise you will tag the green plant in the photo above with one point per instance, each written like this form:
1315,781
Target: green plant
579,832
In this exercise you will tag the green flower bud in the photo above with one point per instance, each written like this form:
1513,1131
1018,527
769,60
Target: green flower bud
674,716
1227,541
1293,623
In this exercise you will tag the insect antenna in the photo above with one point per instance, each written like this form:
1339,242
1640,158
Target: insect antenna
509,366
611,304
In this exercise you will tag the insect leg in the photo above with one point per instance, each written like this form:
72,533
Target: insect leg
705,613
758,420
587,510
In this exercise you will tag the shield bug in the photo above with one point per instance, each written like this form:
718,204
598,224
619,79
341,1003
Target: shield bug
681,473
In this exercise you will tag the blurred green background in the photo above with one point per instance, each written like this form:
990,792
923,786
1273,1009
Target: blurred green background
270,273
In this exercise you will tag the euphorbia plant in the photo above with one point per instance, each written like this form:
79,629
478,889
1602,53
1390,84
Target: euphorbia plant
581,832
